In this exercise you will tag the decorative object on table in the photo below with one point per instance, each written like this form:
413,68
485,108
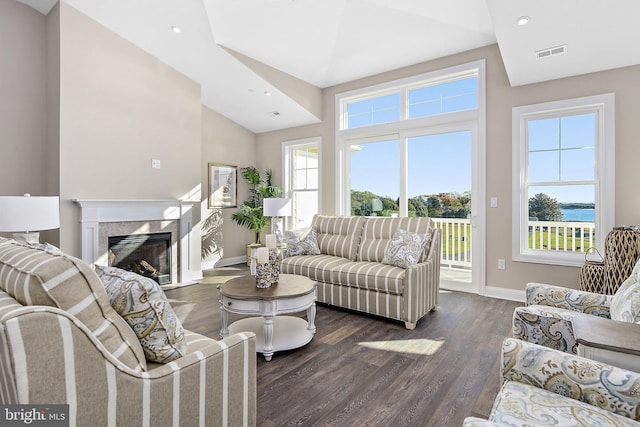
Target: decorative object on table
592,272
621,252
223,183
266,273
275,255
250,214
27,215
277,208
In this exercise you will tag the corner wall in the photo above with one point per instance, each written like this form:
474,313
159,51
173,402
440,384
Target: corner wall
226,142
119,109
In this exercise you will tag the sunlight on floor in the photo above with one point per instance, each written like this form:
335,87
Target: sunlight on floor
421,346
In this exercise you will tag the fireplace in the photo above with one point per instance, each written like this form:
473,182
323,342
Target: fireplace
103,218
146,254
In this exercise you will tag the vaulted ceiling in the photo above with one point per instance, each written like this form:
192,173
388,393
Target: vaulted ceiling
224,45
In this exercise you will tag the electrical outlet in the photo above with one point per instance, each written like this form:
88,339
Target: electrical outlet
155,164
501,264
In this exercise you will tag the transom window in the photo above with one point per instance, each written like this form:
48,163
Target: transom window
420,98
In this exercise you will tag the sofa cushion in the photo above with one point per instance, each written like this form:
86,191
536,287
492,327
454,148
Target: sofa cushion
143,304
339,235
405,248
38,277
302,241
522,404
340,271
377,232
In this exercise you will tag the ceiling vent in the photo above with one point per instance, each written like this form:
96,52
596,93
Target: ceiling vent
551,51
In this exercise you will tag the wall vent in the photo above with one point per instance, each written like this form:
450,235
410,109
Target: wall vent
551,51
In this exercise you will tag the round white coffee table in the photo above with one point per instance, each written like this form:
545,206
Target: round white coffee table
274,332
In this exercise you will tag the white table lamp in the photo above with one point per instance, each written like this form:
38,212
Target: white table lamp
276,208
26,215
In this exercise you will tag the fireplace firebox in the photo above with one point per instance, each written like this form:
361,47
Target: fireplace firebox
146,254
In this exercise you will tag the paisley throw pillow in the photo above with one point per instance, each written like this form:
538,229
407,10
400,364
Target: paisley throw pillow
405,248
143,304
302,241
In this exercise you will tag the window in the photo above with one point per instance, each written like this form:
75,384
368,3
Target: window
562,179
381,138
302,178
420,97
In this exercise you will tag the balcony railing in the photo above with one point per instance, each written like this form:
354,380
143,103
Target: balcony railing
543,235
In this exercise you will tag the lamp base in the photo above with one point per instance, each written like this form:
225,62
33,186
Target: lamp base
32,237
276,229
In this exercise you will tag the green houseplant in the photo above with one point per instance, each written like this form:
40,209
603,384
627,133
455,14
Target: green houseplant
250,212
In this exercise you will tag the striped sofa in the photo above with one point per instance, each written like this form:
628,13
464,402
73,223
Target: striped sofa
350,273
62,343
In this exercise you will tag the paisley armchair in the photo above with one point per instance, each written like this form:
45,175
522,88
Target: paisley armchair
547,317
542,386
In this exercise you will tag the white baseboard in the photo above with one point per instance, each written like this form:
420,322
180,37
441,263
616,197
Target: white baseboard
225,262
503,293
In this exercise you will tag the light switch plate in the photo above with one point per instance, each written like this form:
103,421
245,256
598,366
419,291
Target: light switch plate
155,163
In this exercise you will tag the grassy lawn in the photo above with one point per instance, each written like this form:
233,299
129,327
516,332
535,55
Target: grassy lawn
580,243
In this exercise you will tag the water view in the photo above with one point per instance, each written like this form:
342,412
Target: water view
587,215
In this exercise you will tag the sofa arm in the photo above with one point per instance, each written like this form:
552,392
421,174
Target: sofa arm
610,388
422,284
570,299
51,358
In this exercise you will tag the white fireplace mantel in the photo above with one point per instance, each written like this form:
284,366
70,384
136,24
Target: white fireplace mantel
94,212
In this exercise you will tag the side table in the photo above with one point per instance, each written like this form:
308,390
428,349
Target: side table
266,308
608,341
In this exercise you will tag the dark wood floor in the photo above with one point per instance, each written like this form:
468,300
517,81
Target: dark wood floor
361,370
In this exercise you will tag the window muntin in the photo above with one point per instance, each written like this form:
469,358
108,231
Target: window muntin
563,153
556,146
371,111
449,97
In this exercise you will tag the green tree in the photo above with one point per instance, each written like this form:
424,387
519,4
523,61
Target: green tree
544,208
434,206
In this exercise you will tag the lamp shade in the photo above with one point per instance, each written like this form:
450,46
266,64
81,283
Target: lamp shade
276,206
26,213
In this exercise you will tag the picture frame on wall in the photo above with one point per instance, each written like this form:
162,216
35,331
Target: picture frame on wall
223,186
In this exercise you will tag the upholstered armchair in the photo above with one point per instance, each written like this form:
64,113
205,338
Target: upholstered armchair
542,386
547,318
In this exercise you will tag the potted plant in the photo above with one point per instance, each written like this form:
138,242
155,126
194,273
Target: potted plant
250,213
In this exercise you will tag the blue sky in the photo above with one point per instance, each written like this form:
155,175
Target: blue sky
437,164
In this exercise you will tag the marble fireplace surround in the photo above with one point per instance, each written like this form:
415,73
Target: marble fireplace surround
102,218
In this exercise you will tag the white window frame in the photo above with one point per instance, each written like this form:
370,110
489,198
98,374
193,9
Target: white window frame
287,148
604,107
344,137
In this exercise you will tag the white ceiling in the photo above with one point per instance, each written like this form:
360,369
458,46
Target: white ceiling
327,42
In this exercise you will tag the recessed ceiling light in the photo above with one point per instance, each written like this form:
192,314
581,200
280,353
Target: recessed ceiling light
176,30
267,93
523,20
